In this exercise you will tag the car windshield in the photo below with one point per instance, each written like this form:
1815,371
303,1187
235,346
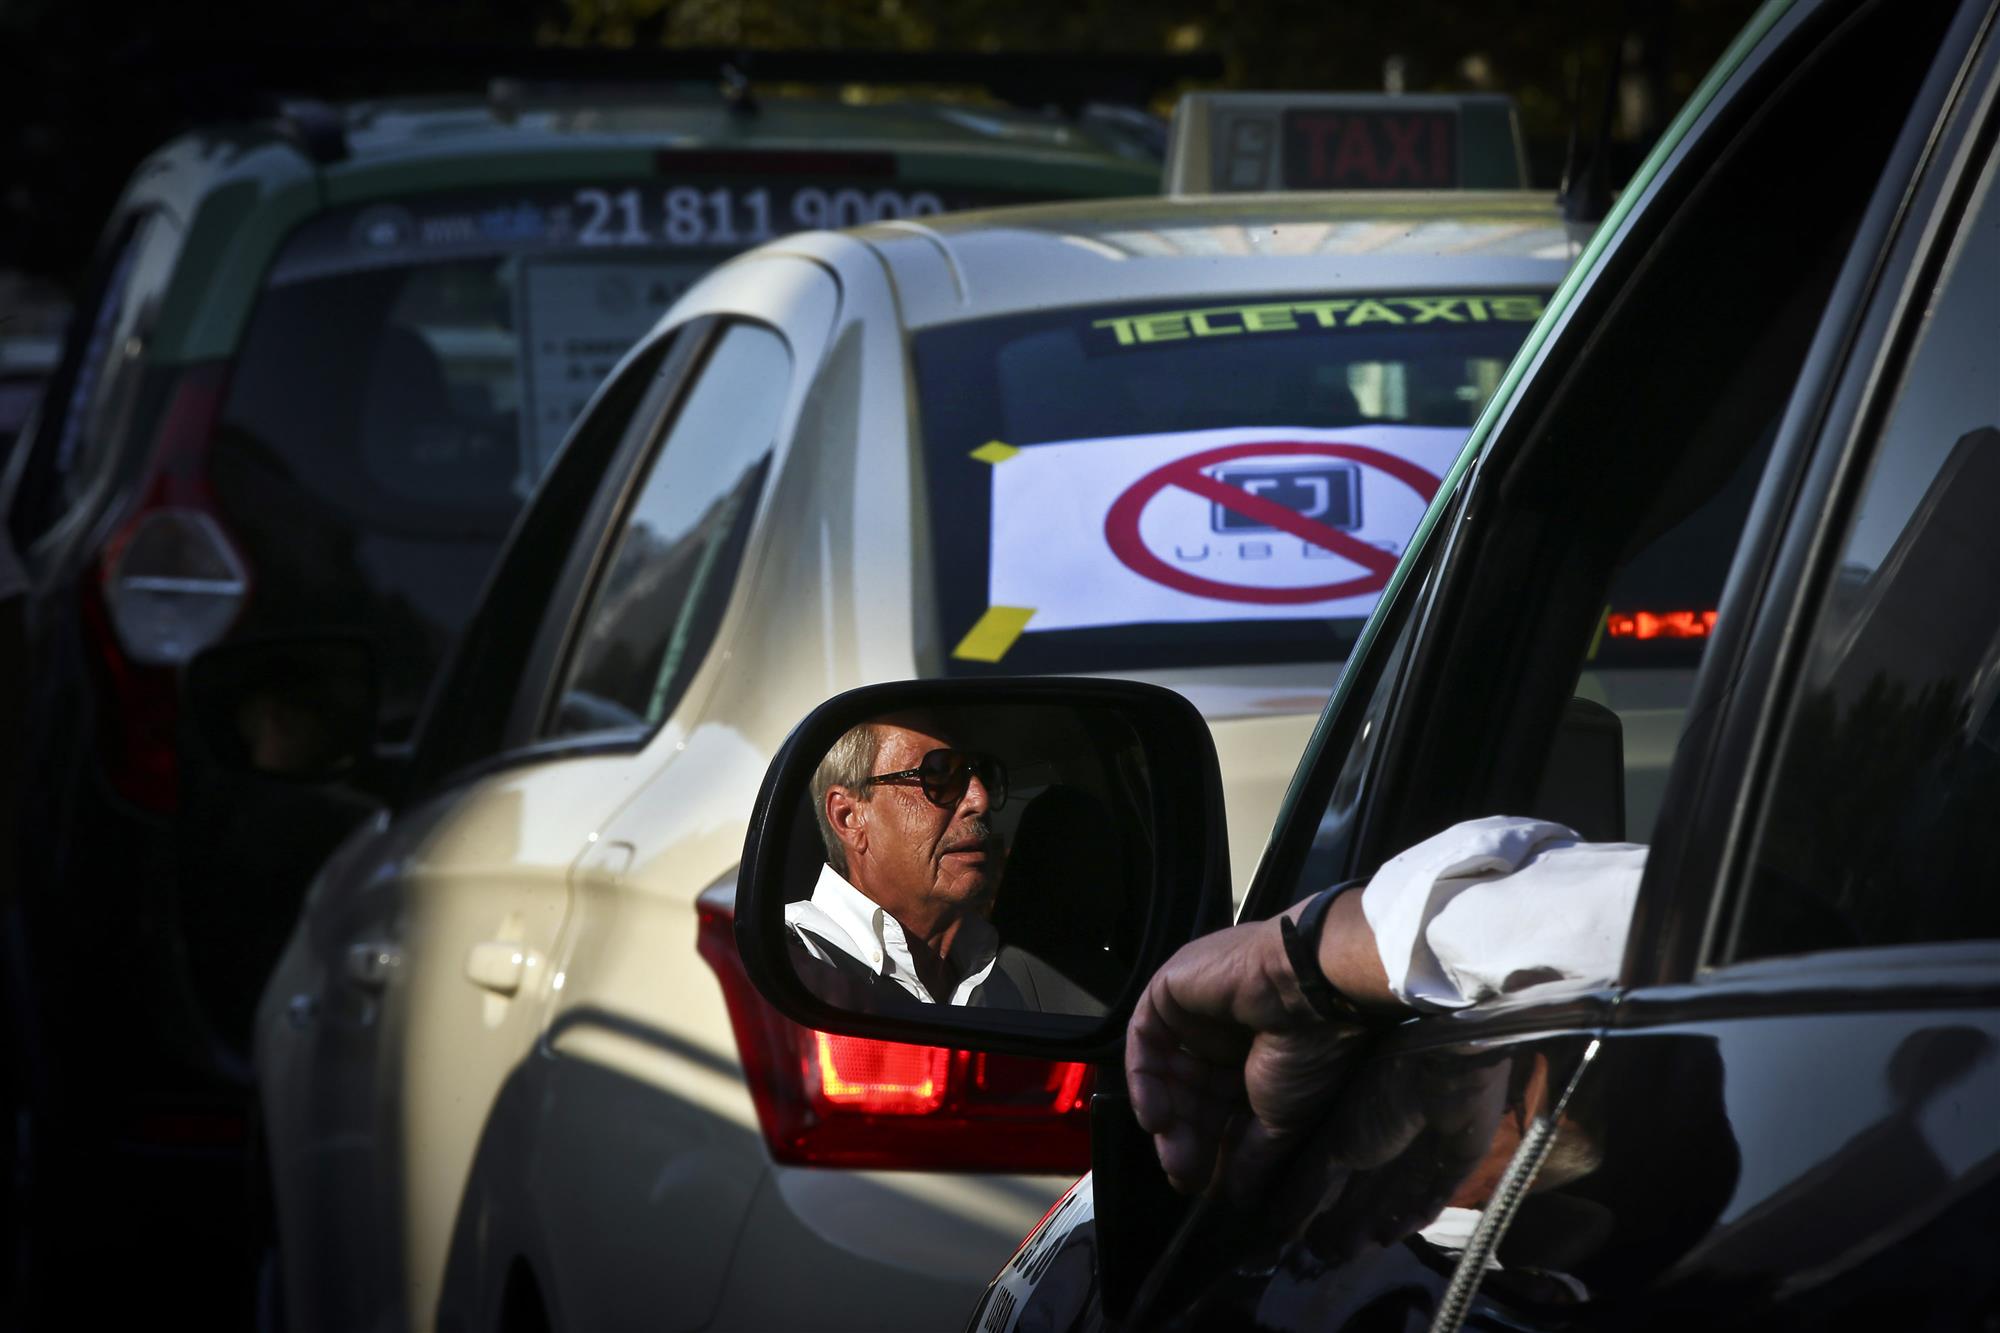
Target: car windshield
1115,489
411,368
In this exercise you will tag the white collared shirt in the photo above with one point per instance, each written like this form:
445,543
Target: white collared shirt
1493,906
844,916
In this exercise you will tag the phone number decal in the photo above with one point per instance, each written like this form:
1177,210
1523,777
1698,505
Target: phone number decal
687,215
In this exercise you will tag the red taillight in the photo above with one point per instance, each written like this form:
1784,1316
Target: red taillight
1659,624
887,1078
167,584
829,1100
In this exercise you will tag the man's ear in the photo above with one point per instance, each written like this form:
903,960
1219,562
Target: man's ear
848,818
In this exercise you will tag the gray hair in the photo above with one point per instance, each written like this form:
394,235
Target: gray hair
849,763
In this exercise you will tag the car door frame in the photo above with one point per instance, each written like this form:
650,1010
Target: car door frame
1814,459
1825,440
1698,878
504,726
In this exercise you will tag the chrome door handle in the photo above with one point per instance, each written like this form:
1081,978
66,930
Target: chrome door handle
369,964
497,965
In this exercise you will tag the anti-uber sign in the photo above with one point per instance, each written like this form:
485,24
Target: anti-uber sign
1253,523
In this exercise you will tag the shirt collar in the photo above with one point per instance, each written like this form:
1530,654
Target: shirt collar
859,926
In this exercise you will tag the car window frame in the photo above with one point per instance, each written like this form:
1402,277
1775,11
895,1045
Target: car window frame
1956,148
1580,304
665,355
1411,606
549,663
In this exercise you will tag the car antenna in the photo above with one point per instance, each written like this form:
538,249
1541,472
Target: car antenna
1585,192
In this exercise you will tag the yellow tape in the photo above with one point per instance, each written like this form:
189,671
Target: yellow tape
993,634
994,452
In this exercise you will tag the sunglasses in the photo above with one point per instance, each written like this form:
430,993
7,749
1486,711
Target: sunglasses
945,774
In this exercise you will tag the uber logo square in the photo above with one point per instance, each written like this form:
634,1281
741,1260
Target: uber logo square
1328,493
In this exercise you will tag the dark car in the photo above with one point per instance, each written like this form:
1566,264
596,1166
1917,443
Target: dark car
1732,500
320,363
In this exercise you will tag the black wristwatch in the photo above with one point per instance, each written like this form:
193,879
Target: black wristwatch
1301,939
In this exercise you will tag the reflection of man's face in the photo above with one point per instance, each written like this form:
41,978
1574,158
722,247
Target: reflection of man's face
926,864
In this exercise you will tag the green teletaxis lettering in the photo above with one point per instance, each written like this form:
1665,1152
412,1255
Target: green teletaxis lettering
1333,313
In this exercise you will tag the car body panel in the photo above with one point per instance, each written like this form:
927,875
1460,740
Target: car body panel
1682,1184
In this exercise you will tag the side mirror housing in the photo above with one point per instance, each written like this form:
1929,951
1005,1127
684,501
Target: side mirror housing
986,865
300,708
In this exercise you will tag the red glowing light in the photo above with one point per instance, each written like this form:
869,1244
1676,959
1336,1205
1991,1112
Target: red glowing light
1659,624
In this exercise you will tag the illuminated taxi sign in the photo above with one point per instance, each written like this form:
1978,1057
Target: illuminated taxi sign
1226,143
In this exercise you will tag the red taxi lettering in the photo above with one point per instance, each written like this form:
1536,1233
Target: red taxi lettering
1330,150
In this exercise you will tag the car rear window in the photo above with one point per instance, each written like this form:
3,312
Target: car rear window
411,368
1181,485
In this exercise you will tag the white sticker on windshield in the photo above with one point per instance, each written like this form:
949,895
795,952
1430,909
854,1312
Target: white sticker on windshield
575,318
1262,523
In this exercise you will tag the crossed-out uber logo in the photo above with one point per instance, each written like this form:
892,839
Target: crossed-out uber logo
1327,493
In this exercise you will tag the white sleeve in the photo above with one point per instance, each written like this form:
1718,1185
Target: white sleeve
1495,905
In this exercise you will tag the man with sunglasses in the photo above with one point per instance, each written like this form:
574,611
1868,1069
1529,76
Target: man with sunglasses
899,912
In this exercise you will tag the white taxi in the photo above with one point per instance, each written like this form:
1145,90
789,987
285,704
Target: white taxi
509,1066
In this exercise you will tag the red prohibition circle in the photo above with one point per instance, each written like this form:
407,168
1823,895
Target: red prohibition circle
1121,524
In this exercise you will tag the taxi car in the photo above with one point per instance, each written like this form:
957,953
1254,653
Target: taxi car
508,1064
322,360
1735,486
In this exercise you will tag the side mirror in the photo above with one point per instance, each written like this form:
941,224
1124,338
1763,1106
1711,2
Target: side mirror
988,865
300,708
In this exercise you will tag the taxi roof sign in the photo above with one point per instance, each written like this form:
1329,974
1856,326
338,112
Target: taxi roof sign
1229,143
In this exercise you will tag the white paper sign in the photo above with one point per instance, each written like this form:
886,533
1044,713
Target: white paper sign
1261,523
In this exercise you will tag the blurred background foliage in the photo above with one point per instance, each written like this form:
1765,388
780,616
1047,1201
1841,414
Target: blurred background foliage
87,89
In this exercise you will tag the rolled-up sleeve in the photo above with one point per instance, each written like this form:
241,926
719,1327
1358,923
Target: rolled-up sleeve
1496,905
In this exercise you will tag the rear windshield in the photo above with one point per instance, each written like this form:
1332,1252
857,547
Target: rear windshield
1127,488
411,368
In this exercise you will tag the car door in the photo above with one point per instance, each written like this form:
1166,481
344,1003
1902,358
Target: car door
334,1033
1793,1119
1582,1156
1839,1028
554,1204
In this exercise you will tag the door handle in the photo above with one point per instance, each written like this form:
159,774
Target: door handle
369,964
497,965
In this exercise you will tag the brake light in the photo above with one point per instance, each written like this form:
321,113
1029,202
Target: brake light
827,1100
1659,624
880,1076
168,584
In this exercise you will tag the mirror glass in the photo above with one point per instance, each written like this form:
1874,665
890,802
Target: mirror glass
985,856
302,709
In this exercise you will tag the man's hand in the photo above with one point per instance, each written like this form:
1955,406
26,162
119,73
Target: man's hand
1224,1053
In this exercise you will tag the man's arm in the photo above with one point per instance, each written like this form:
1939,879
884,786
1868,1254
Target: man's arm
1223,1033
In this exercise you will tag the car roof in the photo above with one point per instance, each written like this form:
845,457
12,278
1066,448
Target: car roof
391,146
1011,260
443,124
